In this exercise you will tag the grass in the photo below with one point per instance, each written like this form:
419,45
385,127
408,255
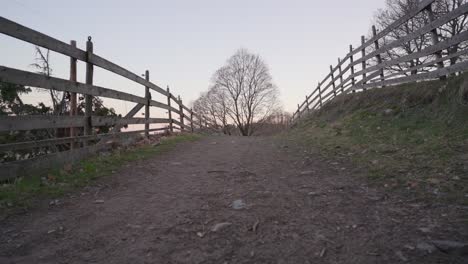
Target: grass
60,181
413,137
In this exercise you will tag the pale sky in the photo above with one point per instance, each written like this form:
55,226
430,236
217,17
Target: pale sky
182,43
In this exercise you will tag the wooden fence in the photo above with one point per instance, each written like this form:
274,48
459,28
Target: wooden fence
370,70
187,120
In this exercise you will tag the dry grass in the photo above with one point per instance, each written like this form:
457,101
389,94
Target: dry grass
411,137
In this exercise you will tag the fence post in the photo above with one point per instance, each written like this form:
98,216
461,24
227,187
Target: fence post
191,119
171,128
351,62
181,116
341,75
89,80
332,80
435,40
298,111
147,106
320,94
378,56
363,53
73,108
307,104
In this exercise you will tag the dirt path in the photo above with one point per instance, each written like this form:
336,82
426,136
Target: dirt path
299,210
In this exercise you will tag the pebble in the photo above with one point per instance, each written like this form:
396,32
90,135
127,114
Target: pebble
238,205
448,245
425,229
424,246
401,256
220,226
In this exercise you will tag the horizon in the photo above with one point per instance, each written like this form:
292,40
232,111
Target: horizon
182,48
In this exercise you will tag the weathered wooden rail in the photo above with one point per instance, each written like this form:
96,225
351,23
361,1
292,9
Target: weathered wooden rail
80,144
370,70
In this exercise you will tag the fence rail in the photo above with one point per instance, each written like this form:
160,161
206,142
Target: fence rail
187,121
371,70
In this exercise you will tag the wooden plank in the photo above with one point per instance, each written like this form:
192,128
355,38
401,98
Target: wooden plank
89,81
179,124
340,72
411,13
186,108
131,113
435,39
459,67
423,30
111,120
191,120
351,61
159,105
134,110
73,96
423,53
66,140
30,122
333,78
181,114
38,80
428,64
15,169
378,57
110,66
171,129
147,106
21,32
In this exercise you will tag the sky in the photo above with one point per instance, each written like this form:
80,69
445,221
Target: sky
182,43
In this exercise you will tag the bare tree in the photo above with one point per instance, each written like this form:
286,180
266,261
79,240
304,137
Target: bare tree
453,27
42,65
245,88
393,11
213,104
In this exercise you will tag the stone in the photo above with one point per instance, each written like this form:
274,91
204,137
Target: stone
450,246
424,246
220,226
388,111
409,247
400,255
238,205
54,202
424,229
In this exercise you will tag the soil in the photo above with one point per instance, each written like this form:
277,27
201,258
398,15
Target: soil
295,207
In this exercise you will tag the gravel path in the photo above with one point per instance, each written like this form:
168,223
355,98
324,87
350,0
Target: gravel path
178,208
